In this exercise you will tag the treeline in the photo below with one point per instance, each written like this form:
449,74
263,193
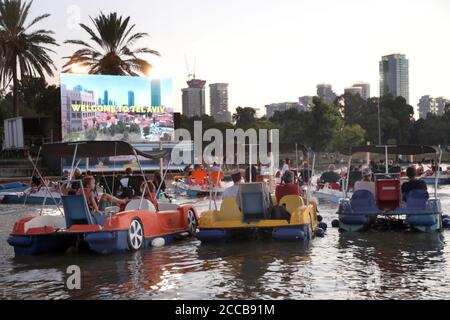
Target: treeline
349,121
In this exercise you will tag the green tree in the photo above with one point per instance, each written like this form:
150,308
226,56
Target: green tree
350,136
111,49
323,125
244,117
24,51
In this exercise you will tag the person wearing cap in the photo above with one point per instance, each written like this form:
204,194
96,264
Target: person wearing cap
288,187
412,183
366,183
232,192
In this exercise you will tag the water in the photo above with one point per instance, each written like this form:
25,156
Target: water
392,265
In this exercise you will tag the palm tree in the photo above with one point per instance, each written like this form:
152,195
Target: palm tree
111,50
23,51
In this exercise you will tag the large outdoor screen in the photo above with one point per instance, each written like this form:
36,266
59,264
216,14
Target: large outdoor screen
132,109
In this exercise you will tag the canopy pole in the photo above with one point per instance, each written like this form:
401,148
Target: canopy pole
45,184
73,162
145,179
163,177
308,193
438,173
347,183
114,169
386,163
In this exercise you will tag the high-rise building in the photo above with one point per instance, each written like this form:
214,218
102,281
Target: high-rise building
156,93
325,91
131,98
394,76
429,105
106,98
353,91
281,107
305,103
365,89
219,102
441,103
194,98
426,105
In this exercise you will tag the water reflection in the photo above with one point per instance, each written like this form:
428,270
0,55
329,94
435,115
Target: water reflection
373,265
396,265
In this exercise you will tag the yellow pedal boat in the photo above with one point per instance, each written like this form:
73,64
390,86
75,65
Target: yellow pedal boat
231,222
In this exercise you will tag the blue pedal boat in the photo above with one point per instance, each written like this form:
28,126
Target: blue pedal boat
420,211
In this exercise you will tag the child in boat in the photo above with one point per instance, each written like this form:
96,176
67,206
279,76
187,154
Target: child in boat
94,203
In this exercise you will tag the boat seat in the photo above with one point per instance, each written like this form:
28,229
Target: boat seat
388,194
136,204
363,201
292,203
416,201
253,204
76,211
168,207
229,211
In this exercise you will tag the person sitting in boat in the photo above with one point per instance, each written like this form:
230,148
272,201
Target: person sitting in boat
77,177
366,183
127,191
288,187
65,176
36,184
232,192
95,203
159,182
278,177
330,177
305,173
254,175
286,166
413,183
150,193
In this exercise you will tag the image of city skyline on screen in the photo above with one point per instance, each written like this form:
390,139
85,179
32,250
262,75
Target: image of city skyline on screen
132,109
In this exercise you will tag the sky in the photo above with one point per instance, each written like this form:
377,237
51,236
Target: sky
275,51
117,87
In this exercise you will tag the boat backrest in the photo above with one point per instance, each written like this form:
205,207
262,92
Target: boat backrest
136,204
292,203
388,194
362,199
417,199
76,211
229,211
253,204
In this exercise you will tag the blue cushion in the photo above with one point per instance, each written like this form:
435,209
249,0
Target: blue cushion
76,210
252,205
364,202
417,199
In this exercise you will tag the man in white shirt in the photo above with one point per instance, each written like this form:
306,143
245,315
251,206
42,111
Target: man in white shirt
286,167
232,192
366,183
